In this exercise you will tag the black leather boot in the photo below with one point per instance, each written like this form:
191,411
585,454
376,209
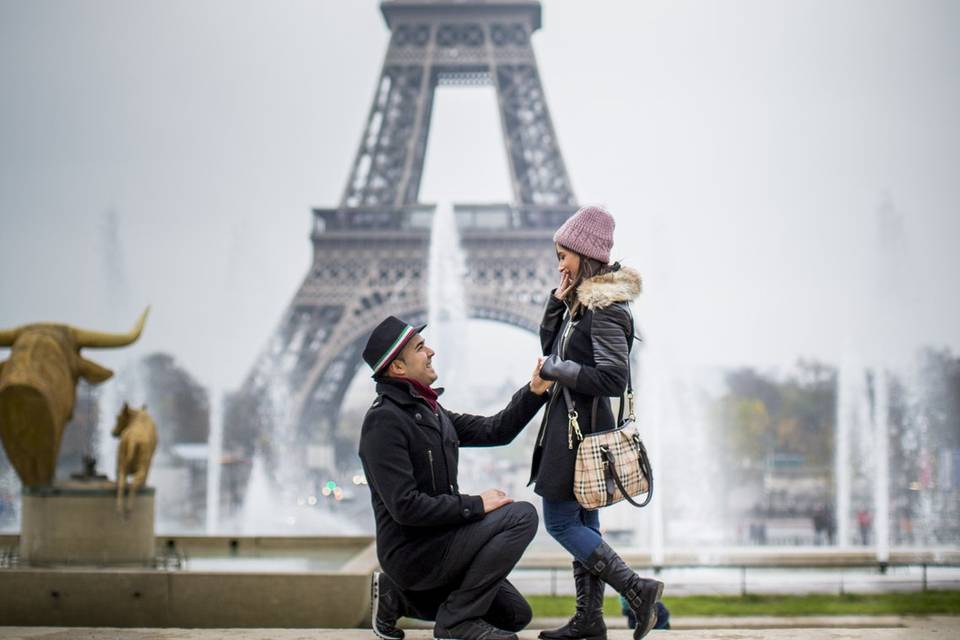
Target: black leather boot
587,623
641,593
388,606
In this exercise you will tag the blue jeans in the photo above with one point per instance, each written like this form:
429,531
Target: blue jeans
576,529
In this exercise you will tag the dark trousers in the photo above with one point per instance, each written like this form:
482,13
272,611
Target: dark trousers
470,581
509,610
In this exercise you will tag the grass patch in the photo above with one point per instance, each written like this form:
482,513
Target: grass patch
907,603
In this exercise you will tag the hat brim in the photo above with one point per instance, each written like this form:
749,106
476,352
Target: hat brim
416,330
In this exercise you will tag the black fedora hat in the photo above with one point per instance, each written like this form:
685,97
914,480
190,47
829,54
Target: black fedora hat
386,341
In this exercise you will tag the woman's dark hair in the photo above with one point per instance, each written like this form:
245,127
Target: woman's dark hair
589,267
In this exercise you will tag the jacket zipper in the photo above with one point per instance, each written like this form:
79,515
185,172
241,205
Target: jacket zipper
433,477
453,490
564,336
546,416
562,351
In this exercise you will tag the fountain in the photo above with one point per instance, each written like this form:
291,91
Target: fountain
110,401
881,493
846,393
651,422
214,458
447,316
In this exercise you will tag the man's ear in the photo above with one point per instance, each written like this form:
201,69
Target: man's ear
396,367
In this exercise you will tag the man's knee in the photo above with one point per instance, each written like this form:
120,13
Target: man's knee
526,516
510,611
522,615
516,619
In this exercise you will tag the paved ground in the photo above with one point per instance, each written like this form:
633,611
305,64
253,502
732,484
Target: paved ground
691,623
933,628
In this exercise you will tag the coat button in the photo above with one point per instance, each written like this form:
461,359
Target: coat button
466,513
418,417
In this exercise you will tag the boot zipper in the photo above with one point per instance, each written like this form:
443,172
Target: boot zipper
433,477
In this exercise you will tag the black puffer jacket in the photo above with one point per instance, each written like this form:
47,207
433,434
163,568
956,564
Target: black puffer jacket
590,356
410,456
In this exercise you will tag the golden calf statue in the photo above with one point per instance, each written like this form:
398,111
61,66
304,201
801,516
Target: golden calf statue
38,387
138,441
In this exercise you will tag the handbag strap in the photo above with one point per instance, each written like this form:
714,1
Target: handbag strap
611,467
624,399
573,417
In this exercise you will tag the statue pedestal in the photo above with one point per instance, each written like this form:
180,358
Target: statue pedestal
77,523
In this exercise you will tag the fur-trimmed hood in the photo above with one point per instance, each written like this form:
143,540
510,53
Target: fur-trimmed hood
604,290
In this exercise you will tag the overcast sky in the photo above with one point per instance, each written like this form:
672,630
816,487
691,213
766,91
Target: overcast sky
784,174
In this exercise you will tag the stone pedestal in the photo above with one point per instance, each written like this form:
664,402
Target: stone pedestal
78,524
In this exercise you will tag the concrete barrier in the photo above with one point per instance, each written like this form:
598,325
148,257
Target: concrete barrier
78,524
118,597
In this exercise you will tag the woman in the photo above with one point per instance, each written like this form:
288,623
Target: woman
586,334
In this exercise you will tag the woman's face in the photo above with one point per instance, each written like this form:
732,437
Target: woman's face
568,263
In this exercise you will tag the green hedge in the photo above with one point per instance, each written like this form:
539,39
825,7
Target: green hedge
906,603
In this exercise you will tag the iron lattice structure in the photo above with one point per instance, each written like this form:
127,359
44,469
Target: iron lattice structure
371,252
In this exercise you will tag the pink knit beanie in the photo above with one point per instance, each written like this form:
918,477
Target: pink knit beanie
589,232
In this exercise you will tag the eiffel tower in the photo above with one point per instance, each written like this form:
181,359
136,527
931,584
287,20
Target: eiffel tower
370,253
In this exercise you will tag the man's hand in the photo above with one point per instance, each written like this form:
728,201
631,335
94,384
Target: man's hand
537,384
494,499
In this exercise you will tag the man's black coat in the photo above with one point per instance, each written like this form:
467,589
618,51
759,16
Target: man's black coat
410,456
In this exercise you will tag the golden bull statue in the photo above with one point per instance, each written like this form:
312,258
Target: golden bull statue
38,387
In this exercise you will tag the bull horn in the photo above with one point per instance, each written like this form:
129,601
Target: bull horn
9,336
100,340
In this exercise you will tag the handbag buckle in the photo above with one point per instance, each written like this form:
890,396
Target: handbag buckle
630,406
573,426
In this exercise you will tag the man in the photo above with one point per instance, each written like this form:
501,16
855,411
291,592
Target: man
445,555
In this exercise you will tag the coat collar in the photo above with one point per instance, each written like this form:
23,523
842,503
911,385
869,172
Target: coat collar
606,289
401,391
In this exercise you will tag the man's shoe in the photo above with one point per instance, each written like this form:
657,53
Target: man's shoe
475,629
642,594
587,623
387,606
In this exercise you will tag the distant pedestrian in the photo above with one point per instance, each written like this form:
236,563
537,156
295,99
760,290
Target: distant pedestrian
663,615
831,524
864,520
819,525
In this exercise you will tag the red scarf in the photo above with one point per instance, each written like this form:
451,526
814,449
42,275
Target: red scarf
425,392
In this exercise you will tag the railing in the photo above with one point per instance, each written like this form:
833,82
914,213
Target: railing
745,566
749,560
471,219
411,218
480,218
9,558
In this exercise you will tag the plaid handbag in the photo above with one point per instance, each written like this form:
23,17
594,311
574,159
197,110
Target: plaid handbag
612,465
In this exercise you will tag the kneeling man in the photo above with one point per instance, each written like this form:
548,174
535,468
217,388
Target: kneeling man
445,555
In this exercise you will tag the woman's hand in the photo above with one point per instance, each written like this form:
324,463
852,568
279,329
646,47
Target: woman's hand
564,287
537,384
